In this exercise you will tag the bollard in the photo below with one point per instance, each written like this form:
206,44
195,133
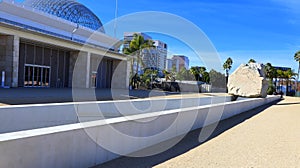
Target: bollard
3,79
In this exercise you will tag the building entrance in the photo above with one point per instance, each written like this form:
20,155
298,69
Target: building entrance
37,76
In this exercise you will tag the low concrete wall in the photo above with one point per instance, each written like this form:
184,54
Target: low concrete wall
26,117
77,145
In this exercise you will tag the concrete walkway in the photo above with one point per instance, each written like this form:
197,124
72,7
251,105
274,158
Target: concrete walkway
265,137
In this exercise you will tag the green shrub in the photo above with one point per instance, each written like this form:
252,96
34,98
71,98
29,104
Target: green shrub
271,88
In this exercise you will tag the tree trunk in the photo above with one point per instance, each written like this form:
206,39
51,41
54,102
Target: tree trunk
297,79
131,73
138,61
137,64
226,82
287,87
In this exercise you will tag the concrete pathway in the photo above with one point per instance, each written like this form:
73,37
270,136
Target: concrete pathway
268,136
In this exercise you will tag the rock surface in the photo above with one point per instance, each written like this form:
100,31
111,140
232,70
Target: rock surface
249,80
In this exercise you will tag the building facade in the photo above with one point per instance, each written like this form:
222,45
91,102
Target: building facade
169,65
152,57
155,57
162,52
180,61
41,47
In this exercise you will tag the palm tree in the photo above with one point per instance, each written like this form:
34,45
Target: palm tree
136,46
202,70
297,58
195,71
129,51
206,77
286,75
227,66
198,72
251,61
289,74
167,74
271,72
280,75
268,68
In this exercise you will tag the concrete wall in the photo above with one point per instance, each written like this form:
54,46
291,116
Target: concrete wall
203,88
9,45
81,71
120,78
9,59
83,64
91,143
40,116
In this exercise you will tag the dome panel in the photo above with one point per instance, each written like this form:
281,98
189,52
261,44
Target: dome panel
69,10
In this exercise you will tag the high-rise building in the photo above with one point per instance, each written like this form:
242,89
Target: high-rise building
169,65
172,65
175,64
152,58
184,61
155,57
128,36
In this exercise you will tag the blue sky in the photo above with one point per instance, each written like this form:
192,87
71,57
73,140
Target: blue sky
265,30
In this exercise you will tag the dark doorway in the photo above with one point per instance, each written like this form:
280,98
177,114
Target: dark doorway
36,76
105,72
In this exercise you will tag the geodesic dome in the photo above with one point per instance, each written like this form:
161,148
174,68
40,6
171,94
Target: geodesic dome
69,10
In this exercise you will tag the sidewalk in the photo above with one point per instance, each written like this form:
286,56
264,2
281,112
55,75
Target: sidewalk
265,137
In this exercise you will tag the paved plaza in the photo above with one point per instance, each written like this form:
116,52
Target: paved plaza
16,96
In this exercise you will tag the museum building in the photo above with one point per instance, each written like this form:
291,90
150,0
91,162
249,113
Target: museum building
57,43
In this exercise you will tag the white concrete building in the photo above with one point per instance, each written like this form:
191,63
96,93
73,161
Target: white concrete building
152,58
162,51
155,57
60,43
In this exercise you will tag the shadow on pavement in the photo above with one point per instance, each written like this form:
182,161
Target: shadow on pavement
287,104
16,96
189,142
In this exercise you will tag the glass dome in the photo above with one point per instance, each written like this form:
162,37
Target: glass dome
69,10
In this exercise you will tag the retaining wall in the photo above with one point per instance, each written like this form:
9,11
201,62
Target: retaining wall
26,117
90,143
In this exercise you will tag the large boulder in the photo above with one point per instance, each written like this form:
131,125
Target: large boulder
248,81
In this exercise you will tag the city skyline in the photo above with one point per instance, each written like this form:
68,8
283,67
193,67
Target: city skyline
265,31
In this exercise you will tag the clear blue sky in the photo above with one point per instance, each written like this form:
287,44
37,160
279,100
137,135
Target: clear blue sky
265,30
